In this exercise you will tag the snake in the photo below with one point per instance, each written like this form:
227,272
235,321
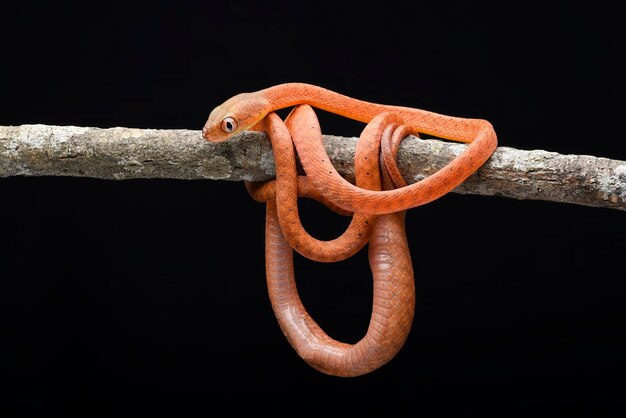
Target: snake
377,203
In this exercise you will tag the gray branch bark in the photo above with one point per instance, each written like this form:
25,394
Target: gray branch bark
125,153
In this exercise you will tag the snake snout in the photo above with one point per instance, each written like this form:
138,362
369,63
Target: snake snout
213,134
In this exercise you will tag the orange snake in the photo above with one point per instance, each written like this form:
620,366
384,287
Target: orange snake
378,215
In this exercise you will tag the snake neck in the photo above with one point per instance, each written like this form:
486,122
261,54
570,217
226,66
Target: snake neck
293,94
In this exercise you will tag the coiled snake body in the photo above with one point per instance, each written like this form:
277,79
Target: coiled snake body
377,203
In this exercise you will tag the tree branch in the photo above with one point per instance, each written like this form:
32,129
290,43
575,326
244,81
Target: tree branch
125,153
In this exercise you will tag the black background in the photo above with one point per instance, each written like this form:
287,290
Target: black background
147,297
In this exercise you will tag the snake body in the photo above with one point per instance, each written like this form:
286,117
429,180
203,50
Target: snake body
377,203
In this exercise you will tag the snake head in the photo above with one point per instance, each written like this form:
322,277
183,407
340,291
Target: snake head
235,115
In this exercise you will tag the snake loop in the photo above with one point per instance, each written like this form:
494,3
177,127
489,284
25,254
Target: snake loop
360,228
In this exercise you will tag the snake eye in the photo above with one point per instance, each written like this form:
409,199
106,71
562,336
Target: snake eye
229,125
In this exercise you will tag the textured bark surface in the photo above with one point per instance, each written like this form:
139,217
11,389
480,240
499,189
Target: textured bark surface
124,153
